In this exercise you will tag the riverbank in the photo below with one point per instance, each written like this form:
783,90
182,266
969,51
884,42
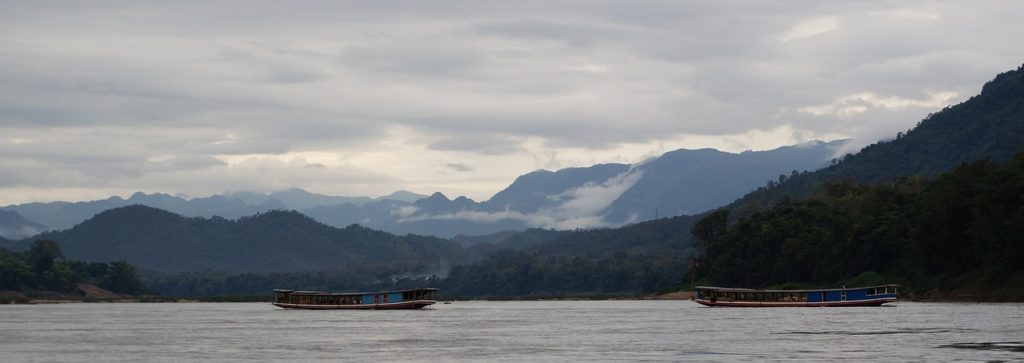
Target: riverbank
14,297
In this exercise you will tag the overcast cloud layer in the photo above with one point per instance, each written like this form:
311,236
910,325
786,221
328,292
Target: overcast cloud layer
364,98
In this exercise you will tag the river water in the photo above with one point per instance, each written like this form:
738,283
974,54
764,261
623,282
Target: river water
511,331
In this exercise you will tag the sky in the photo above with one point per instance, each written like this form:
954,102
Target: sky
365,98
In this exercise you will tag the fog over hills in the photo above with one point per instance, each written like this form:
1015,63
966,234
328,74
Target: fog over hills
609,195
602,195
14,226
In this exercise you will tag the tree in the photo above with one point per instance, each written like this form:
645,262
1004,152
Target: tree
43,256
123,278
711,228
15,273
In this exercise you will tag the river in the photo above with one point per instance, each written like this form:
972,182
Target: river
511,331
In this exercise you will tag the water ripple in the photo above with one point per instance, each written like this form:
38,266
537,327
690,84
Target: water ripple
1004,346
880,332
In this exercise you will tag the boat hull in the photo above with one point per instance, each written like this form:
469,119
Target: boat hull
381,300
770,304
751,298
404,305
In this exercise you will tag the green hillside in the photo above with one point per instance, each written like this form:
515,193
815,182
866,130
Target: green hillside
636,259
959,233
277,241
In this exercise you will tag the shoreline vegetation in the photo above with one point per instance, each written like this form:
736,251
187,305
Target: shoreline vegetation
18,298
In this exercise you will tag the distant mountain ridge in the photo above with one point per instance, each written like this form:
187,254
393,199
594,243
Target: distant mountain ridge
602,195
63,215
276,241
710,178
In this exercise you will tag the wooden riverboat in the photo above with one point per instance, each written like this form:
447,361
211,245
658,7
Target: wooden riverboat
319,300
734,297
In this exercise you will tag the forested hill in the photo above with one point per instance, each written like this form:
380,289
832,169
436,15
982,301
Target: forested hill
276,241
640,258
832,240
960,233
987,126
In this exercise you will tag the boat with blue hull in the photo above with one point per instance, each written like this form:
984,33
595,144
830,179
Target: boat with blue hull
319,300
735,297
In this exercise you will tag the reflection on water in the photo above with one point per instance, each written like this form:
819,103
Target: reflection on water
511,331
882,332
1008,346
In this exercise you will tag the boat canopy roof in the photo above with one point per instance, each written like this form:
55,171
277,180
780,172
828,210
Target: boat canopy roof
736,289
352,293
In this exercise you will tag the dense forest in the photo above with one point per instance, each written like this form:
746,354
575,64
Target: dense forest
960,232
43,268
637,259
261,284
519,273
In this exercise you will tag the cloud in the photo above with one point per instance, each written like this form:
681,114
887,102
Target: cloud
577,207
483,144
100,98
426,60
569,34
811,27
591,199
851,105
19,232
405,211
459,167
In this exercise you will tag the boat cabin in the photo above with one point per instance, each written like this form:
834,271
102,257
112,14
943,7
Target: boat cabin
859,296
412,298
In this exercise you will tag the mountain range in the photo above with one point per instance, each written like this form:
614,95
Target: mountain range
643,256
275,241
961,143
233,205
604,195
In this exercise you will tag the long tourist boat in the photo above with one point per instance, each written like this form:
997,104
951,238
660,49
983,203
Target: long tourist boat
858,296
399,299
